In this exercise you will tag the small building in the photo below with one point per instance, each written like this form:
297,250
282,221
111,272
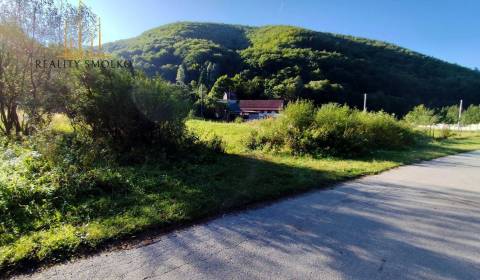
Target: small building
251,109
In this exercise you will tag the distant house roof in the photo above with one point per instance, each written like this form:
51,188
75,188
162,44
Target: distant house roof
260,105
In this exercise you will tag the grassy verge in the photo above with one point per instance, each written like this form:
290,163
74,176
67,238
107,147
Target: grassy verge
128,200
233,135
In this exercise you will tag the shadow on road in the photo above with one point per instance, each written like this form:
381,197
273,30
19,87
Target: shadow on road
367,229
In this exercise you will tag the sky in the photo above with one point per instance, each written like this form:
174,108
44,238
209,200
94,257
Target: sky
446,29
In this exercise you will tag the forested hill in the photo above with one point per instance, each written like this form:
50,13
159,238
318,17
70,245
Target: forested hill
290,62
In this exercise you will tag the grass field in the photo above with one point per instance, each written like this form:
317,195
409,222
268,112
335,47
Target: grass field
133,199
233,135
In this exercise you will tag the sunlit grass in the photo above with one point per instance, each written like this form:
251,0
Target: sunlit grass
234,136
61,123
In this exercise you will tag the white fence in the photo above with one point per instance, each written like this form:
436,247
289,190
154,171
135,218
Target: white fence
455,127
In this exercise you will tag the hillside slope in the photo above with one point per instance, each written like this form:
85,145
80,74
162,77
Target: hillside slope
290,62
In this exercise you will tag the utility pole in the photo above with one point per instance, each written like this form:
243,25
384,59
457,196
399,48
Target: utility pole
365,102
201,99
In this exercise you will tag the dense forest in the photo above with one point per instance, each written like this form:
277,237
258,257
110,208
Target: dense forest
291,63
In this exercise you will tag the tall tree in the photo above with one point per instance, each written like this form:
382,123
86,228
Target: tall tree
203,77
471,115
422,116
32,30
223,85
212,73
181,75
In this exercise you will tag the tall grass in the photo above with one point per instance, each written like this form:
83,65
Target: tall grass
331,129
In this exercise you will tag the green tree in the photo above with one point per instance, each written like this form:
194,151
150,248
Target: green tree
203,77
223,85
201,99
29,30
471,115
449,114
421,115
127,111
299,114
288,89
212,72
181,75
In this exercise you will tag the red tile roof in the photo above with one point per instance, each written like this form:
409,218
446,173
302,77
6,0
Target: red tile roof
260,105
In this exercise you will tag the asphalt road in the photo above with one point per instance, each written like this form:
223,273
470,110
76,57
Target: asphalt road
415,222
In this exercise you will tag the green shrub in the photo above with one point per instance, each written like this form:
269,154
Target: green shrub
299,114
421,115
129,111
445,133
331,129
287,132
471,115
214,144
450,115
338,130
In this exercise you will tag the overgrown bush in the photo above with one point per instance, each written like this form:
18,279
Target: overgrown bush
55,186
331,129
445,133
471,115
128,111
421,115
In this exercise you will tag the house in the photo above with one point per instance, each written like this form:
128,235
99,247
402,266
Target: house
251,109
